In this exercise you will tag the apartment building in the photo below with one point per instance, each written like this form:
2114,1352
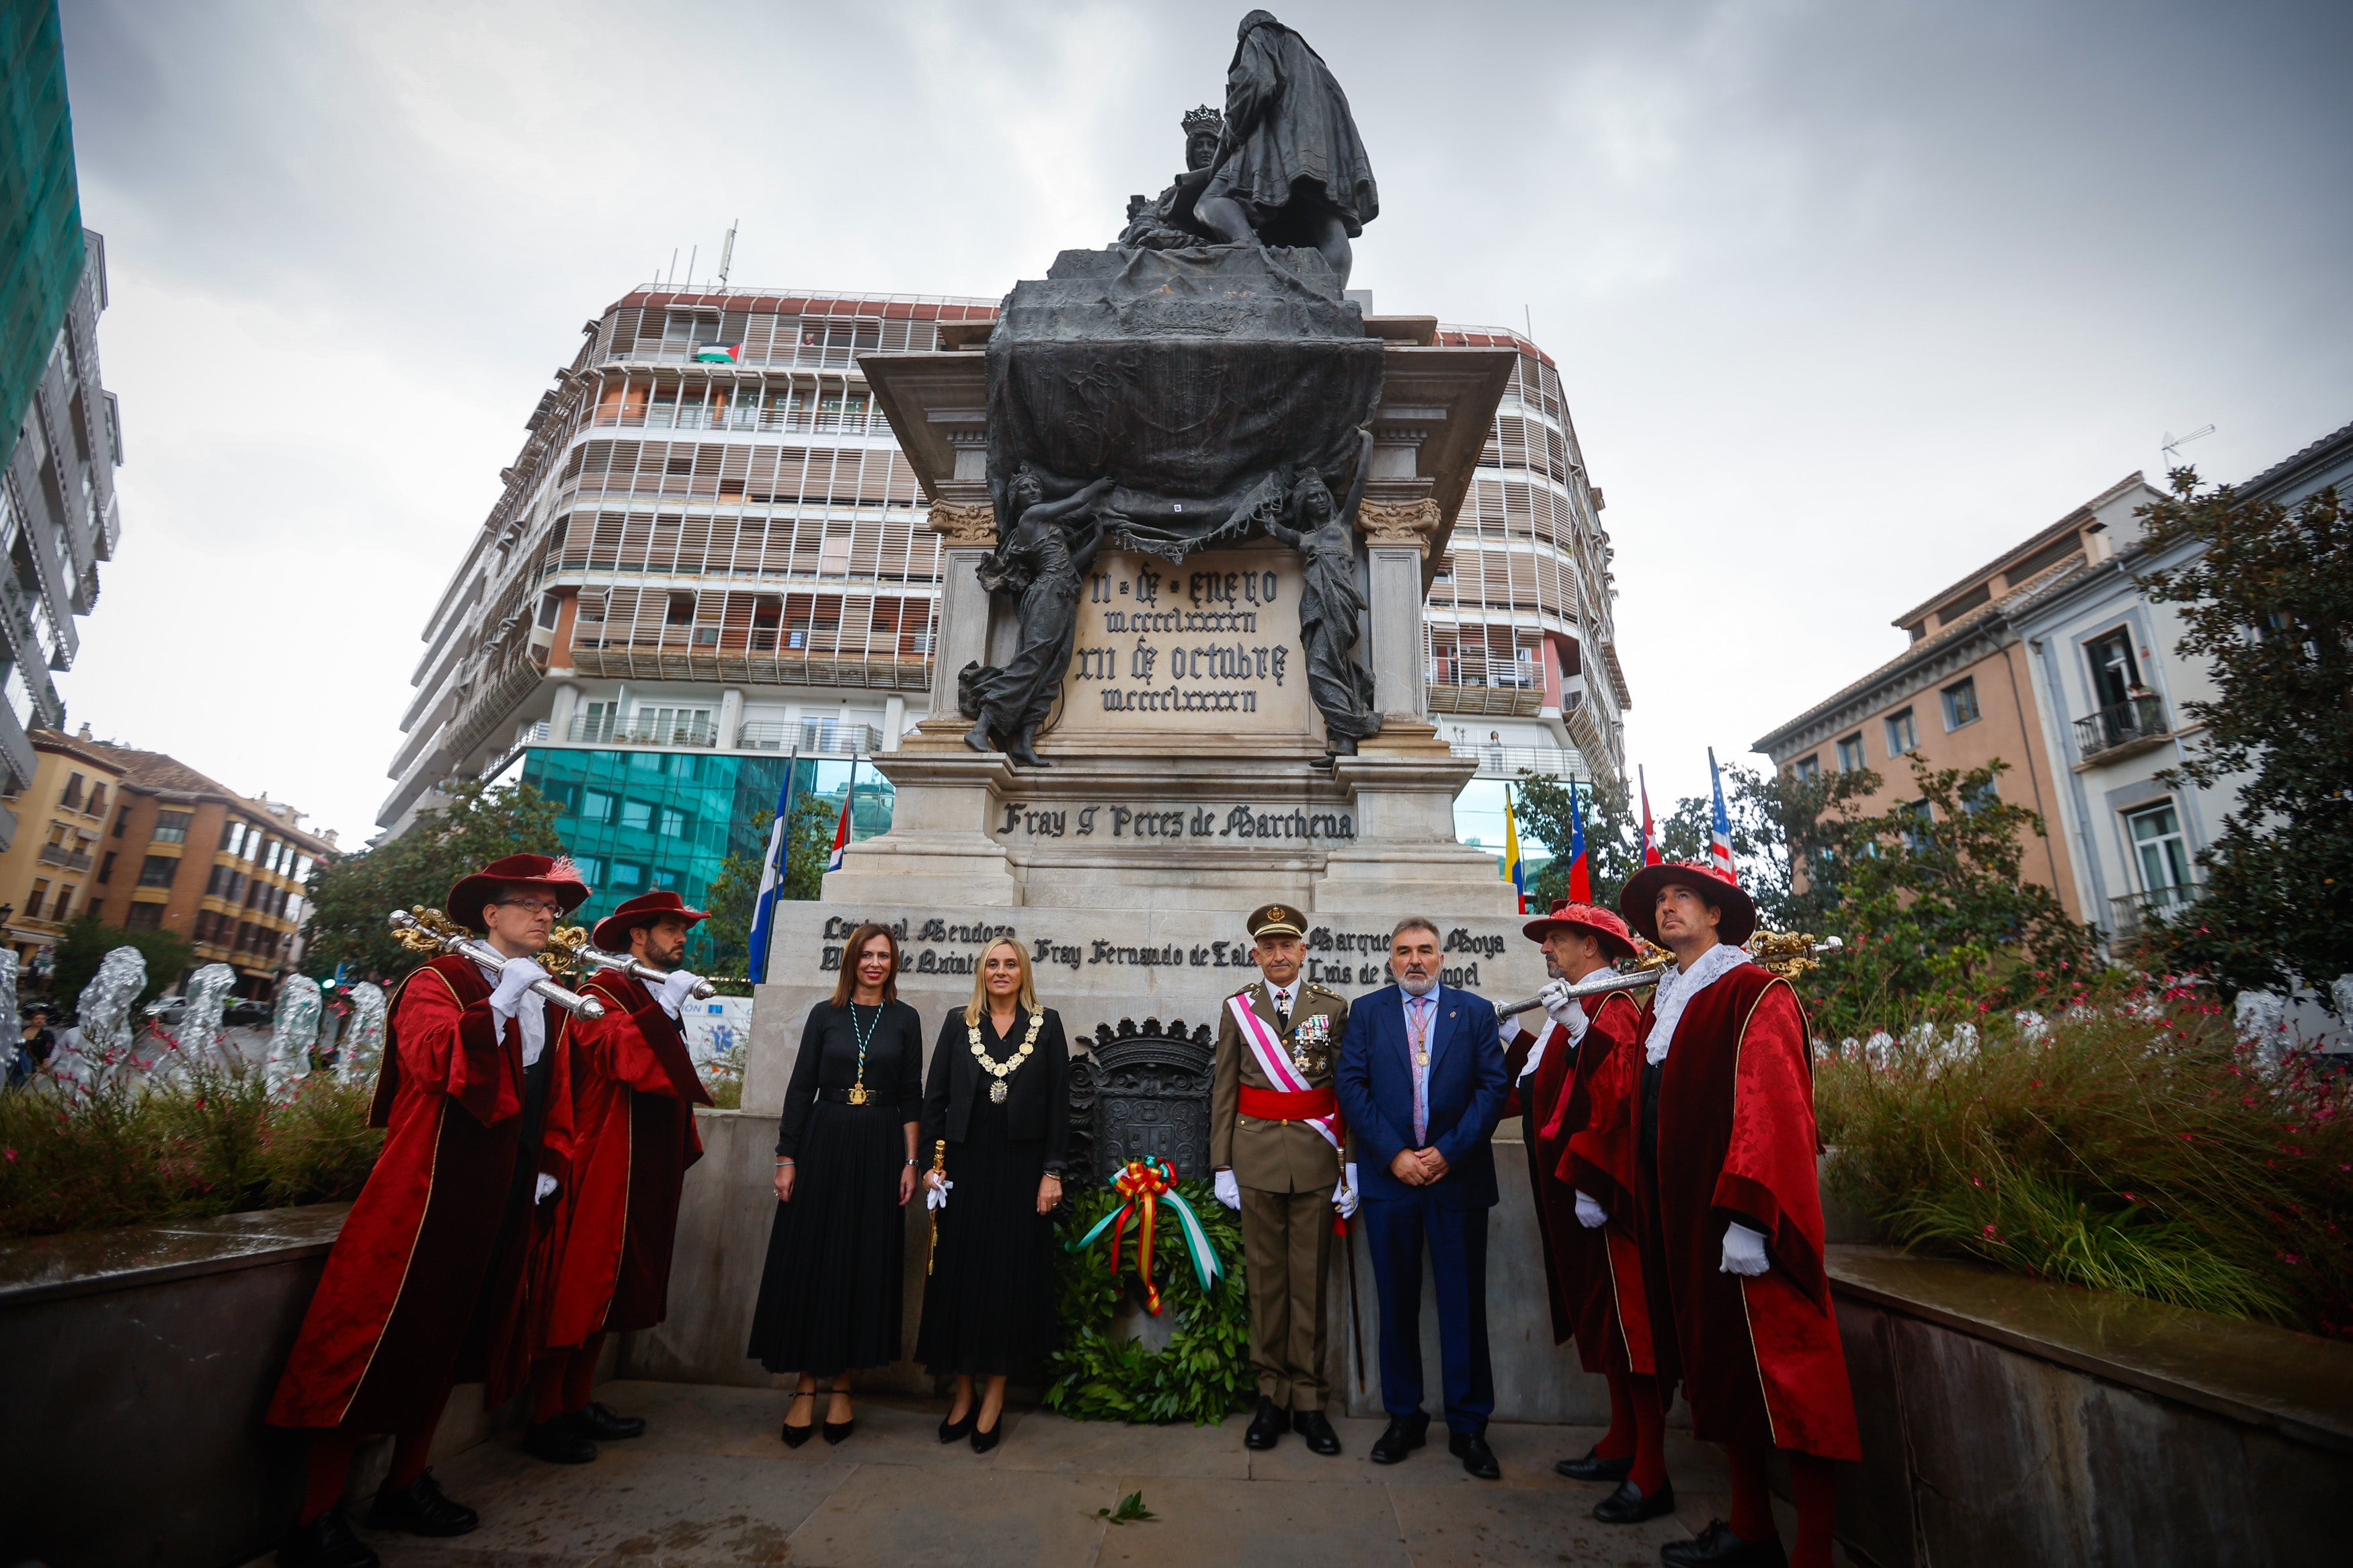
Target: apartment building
47,875
711,558
60,432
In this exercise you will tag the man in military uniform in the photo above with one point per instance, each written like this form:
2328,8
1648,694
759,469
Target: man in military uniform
1277,1142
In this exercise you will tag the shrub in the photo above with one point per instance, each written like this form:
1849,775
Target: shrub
2129,1143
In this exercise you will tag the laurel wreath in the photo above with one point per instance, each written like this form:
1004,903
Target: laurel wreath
1202,1376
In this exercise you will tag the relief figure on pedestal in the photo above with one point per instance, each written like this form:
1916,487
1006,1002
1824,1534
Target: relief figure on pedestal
1043,561
1331,605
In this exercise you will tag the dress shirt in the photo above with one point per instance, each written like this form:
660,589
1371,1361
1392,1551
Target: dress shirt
1420,1014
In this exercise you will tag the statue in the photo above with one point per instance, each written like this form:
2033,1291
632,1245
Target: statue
1040,562
1169,224
1290,168
1331,609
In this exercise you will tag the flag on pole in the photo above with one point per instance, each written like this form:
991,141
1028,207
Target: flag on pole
1720,824
1512,867
719,353
772,878
1580,874
1651,856
840,833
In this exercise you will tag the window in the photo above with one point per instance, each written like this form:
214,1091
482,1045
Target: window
681,611
233,837
1903,734
1984,795
2162,853
596,806
71,799
33,901
94,909
628,874
2113,673
121,820
664,878
172,827
106,867
591,869
1850,754
64,905
302,864
1806,768
204,931
1918,811
1961,704
142,917
673,823
637,815
96,806
157,870
270,855
549,604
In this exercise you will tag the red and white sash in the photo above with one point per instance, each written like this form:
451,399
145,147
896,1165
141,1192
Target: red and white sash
1275,1062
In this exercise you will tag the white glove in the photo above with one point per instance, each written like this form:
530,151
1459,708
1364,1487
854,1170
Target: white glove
937,1197
1507,1030
1344,1197
545,1190
515,981
1744,1251
1229,1191
1590,1215
1562,1008
674,990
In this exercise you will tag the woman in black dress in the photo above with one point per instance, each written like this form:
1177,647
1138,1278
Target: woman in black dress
998,1094
845,1167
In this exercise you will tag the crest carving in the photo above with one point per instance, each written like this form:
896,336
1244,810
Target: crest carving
965,524
1406,523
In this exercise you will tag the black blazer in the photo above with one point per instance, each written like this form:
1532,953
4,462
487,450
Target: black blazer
1038,1100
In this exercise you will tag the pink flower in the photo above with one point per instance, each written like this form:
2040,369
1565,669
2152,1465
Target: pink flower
11,1153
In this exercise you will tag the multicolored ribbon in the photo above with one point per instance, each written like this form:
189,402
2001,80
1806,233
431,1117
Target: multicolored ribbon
1146,1185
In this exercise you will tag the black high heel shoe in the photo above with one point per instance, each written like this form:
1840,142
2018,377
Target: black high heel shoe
796,1436
836,1431
982,1442
956,1431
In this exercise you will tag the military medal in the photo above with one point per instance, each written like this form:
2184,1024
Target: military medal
1004,1069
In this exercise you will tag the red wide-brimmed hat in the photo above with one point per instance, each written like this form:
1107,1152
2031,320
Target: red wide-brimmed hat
1592,920
551,874
1639,901
612,933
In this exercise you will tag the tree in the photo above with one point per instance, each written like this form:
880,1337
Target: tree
87,941
1613,836
352,894
735,892
2269,605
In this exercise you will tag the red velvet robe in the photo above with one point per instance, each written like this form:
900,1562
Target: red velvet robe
1759,1360
382,1341
1577,1264
634,1091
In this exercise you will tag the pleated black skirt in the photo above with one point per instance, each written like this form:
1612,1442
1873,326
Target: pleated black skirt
829,1297
988,1307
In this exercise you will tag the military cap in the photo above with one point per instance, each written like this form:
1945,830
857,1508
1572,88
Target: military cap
1276,920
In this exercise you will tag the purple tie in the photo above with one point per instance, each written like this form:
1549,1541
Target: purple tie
1419,1046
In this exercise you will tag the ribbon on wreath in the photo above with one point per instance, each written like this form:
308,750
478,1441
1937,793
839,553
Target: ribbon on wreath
1146,1185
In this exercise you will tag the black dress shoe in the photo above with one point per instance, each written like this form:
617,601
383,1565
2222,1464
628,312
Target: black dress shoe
1479,1460
326,1541
1405,1434
421,1508
982,1442
1717,1547
957,1431
558,1443
1627,1505
1313,1425
1266,1426
1593,1467
796,1436
598,1424
840,1431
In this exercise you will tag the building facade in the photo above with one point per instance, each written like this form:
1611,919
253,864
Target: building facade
1962,695
710,557
60,432
49,874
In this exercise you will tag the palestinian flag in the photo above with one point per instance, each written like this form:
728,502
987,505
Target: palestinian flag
719,353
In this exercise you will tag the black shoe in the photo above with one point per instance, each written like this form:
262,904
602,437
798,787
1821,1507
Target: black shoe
840,1431
796,1436
421,1508
956,1431
1627,1505
1406,1433
598,1424
1593,1467
1471,1447
326,1541
1312,1425
1268,1426
982,1442
558,1443
1717,1547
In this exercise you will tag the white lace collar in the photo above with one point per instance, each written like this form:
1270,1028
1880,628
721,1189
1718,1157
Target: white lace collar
1678,987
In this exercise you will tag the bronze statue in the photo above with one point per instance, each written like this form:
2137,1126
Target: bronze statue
1168,224
1045,566
1290,168
1331,607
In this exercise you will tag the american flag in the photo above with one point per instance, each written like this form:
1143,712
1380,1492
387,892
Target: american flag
1720,824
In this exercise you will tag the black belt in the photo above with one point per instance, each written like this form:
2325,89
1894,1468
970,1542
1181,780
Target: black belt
841,1096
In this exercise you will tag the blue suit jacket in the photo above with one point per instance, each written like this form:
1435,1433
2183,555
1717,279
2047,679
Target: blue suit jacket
1466,1094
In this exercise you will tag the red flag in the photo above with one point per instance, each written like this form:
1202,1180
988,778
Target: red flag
1651,856
841,835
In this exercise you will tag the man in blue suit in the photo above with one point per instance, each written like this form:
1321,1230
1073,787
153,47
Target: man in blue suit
1421,1084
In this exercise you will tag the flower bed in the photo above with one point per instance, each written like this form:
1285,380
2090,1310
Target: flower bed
2128,1142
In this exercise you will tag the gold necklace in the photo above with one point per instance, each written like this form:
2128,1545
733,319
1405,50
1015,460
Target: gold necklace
1004,1069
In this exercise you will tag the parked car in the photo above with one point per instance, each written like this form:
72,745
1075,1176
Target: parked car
249,1015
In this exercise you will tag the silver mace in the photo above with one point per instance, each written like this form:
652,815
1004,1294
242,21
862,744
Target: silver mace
702,991
483,953
1636,979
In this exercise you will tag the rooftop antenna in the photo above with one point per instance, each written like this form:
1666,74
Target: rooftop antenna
727,253
1529,316
2173,445
691,255
672,276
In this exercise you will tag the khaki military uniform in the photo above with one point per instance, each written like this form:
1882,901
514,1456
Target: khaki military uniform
1287,1172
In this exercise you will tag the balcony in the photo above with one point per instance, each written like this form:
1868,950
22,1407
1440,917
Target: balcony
2133,725
604,730
1487,686
1500,762
58,855
2132,915
811,738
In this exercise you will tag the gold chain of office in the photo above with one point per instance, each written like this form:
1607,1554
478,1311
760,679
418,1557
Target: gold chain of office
1004,1069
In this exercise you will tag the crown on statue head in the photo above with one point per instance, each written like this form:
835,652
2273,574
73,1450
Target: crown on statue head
1205,119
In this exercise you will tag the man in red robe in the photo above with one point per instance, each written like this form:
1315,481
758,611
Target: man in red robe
1704,1136
426,1285
1554,1070
634,1091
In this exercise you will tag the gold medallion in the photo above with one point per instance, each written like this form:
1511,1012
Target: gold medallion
996,1092
857,1094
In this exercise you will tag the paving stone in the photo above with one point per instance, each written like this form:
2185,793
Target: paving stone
1453,1527
1041,1440
1300,1524
887,1516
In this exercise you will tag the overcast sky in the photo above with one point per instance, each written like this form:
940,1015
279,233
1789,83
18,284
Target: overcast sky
1847,296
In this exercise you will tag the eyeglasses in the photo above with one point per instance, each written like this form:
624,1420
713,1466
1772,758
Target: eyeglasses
537,906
